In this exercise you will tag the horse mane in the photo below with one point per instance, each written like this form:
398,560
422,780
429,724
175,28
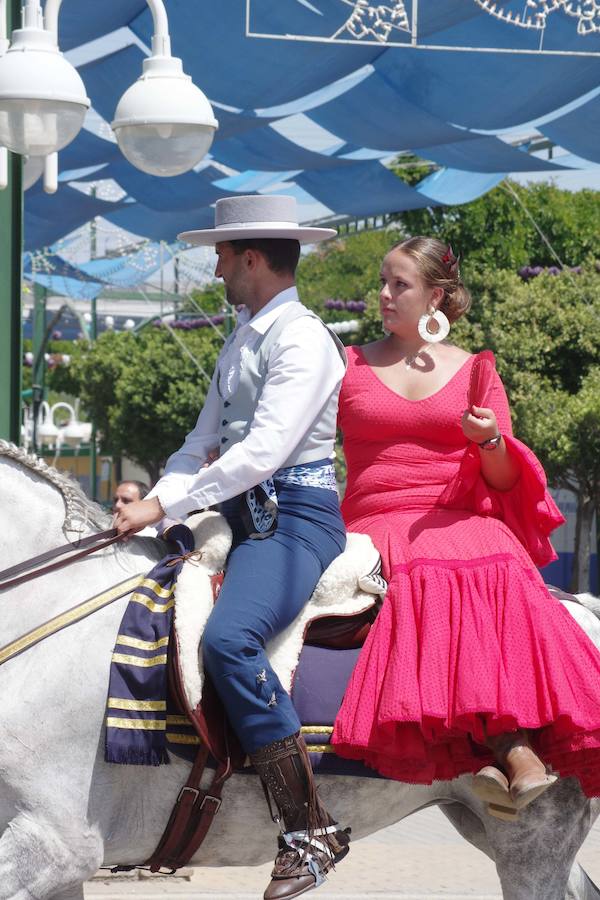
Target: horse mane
79,508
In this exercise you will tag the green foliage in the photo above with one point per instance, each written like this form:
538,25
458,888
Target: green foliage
370,323
142,390
410,168
210,298
496,231
544,335
344,269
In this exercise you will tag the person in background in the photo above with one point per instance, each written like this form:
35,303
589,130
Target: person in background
128,492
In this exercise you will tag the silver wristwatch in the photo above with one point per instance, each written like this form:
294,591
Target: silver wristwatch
491,443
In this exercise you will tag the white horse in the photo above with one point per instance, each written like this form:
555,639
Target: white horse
64,812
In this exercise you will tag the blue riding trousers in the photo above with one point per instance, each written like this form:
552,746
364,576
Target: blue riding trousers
267,583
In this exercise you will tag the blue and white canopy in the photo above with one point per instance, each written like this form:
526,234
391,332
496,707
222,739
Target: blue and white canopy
314,96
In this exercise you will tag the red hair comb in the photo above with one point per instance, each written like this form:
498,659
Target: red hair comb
449,259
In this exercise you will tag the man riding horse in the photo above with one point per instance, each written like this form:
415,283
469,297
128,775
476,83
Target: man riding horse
262,452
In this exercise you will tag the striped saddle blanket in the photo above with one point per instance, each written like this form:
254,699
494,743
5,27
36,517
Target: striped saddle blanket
159,701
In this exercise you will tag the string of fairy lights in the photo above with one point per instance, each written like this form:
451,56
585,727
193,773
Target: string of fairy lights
535,13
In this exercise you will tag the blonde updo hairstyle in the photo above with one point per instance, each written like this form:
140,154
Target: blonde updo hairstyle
428,254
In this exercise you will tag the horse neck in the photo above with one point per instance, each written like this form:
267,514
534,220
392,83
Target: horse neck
32,512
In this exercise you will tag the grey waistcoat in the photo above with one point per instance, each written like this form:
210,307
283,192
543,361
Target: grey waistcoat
237,411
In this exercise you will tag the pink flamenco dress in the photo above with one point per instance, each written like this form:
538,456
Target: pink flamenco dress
468,641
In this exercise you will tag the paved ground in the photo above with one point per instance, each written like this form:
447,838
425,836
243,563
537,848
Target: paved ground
420,858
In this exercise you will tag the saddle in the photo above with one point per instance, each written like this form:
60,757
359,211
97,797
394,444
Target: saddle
331,623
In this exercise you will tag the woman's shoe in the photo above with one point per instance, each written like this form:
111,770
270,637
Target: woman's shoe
527,776
491,786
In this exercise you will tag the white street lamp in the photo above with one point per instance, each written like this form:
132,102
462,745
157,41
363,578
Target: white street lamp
47,432
42,97
163,123
74,432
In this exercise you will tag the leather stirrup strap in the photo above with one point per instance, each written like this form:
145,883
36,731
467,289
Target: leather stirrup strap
21,572
191,817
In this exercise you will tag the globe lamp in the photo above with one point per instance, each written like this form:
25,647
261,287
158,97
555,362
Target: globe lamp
42,97
163,123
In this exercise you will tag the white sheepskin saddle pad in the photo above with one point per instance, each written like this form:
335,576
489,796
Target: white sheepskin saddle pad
350,585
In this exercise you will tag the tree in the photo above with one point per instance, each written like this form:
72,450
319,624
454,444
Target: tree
544,334
493,232
496,231
346,269
143,391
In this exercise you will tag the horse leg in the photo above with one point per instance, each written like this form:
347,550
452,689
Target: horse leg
555,875
534,856
468,824
581,886
76,894
37,862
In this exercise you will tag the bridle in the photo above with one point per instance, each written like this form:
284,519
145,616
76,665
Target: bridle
42,563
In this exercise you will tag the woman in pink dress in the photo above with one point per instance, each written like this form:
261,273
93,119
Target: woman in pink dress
471,660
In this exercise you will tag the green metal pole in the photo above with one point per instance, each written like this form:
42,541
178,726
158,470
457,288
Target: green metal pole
93,447
11,246
38,372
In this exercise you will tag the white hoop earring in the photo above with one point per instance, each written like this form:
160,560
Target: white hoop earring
443,326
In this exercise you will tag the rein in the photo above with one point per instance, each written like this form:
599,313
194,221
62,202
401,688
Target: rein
21,573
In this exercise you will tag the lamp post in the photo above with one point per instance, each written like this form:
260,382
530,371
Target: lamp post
11,242
94,436
38,372
163,123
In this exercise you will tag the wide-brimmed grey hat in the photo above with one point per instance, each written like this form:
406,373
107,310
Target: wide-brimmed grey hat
256,216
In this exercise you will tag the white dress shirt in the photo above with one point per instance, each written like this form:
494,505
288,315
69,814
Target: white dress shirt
305,369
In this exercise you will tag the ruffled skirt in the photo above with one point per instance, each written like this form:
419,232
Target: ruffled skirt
468,647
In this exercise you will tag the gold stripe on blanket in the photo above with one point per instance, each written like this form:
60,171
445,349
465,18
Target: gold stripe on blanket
320,748
178,720
157,588
183,738
139,660
150,604
139,705
127,641
317,729
134,724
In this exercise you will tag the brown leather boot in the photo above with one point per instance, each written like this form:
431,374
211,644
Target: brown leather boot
310,843
526,773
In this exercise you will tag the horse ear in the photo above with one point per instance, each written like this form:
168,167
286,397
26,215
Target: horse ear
213,537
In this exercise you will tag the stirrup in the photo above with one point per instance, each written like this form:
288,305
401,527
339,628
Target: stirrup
303,844
303,861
